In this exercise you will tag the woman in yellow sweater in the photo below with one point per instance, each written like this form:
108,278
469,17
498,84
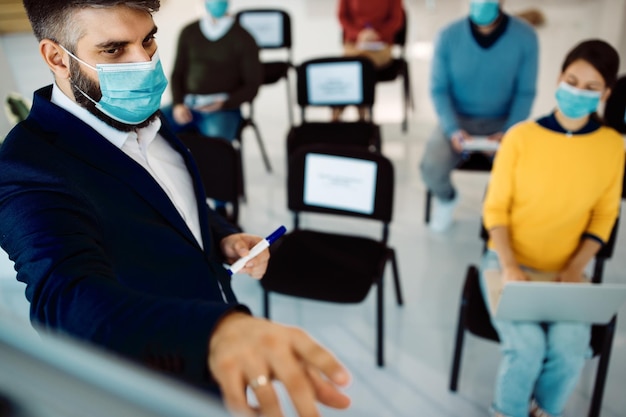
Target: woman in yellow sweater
551,203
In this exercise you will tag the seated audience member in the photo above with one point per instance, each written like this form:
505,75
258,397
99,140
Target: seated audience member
369,27
217,68
551,203
103,212
483,78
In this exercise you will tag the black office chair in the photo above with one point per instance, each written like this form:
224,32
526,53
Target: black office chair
271,28
615,109
615,114
335,81
399,68
474,318
335,267
475,162
219,163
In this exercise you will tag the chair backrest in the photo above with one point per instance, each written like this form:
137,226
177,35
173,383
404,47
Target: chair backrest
219,165
336,81
400,36
615,109
341,180
271,28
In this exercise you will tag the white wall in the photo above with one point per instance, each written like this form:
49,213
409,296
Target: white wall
6,84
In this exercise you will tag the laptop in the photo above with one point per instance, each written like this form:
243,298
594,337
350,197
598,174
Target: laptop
542,299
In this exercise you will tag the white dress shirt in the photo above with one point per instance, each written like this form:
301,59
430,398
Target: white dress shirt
150,150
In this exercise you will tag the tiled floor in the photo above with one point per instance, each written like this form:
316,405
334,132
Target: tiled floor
420,334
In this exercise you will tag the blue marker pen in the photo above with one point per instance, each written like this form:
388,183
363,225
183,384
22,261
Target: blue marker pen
256,249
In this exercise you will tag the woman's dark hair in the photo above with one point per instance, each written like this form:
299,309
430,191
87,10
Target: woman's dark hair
54,19
602,56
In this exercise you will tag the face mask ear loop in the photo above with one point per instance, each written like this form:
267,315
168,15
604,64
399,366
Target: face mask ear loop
84,63
77,58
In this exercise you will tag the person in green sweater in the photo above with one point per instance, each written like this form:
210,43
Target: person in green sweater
552,200
217,68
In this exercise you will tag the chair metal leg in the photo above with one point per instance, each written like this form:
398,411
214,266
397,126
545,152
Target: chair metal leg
429,197
289,103
407,99
458,348
396,277
266,304
237,145
259,139
380,356
603,367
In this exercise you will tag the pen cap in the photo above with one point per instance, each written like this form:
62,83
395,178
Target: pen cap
276,234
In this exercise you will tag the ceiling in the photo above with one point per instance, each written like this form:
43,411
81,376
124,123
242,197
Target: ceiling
13,17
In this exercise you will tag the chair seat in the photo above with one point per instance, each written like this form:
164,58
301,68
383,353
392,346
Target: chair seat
477,161
318,273
341,133
392,71
274,71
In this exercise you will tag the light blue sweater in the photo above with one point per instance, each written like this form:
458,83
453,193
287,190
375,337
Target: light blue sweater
471,81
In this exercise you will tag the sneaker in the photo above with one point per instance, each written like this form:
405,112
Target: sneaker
441,219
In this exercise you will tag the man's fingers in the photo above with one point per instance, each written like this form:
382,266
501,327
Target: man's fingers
261,384
318,357
292,374
233,387
327,392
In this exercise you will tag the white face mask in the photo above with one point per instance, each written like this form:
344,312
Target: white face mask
131,92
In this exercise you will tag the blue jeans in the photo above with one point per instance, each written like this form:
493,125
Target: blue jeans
540,360
219,124
440,159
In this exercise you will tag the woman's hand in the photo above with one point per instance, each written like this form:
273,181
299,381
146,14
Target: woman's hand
512,274
570,274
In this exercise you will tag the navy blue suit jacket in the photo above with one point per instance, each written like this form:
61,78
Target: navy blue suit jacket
104,253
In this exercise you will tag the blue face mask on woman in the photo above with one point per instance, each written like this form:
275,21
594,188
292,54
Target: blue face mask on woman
575,103
484,12
131,92
217,8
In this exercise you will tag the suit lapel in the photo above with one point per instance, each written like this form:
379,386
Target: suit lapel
80,140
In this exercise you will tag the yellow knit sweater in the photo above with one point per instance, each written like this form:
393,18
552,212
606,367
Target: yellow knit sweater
550,189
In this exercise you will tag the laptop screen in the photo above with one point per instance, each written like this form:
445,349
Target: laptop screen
266,28
335,83
342,183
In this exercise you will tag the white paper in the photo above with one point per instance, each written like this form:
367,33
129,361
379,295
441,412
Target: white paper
266,28
340,183
335,83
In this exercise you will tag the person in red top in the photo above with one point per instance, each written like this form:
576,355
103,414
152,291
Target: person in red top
369,27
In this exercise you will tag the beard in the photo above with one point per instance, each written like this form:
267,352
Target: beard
83,86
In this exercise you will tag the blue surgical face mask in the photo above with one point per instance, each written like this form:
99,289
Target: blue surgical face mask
575,103
216,8
131,92
484,12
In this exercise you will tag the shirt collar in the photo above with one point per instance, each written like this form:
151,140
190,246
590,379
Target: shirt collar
116,137
214,29
550,122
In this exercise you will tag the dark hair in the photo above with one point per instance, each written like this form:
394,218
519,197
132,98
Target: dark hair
53,19
602,56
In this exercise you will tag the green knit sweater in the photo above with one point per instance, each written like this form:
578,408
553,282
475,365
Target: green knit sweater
230,64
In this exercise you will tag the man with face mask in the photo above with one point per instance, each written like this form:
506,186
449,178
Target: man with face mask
103,212
483,81
217,68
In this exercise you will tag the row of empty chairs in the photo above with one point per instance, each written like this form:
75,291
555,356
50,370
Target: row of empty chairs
271,28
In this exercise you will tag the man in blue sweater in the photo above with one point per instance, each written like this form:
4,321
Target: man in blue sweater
483,80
